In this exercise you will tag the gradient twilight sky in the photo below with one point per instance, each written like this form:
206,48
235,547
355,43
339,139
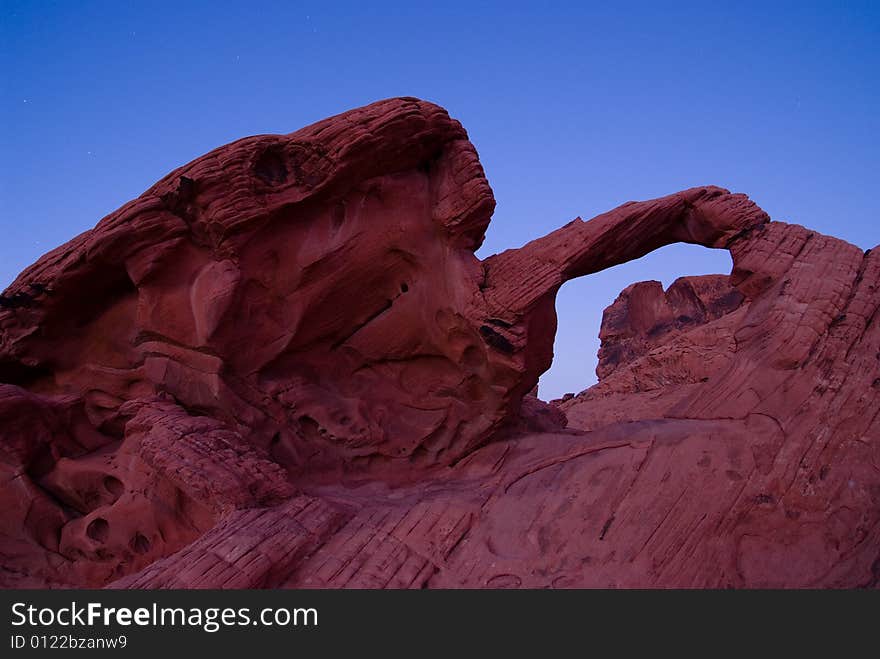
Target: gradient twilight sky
574,107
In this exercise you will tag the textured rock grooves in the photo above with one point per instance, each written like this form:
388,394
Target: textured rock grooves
284,366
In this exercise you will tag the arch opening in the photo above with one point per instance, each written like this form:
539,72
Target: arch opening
581,303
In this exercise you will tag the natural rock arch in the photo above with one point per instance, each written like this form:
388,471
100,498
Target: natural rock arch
289,313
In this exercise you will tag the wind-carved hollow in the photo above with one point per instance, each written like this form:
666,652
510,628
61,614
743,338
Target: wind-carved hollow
98,529
114,486
140,544
270,166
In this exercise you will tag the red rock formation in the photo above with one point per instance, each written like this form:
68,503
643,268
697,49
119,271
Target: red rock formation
656,347
643,316
283,365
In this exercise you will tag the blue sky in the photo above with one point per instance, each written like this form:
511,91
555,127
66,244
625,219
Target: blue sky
574,108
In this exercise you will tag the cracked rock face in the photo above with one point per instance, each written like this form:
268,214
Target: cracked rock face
284,366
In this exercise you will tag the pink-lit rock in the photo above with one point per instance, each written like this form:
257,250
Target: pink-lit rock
284,366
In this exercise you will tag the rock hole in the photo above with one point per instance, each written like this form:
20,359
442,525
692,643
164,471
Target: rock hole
309,428
98,529
114,486
139,544
496,340
270,166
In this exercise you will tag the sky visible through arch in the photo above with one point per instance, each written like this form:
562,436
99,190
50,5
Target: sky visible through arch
574,108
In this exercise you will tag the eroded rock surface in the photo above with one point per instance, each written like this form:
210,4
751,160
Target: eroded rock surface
283,365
